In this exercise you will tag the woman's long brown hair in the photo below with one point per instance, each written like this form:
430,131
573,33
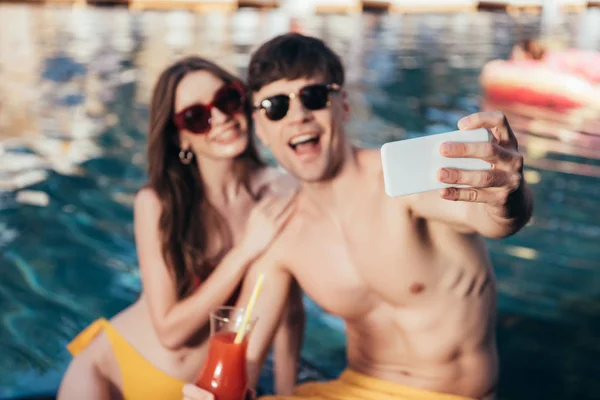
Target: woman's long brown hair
188,221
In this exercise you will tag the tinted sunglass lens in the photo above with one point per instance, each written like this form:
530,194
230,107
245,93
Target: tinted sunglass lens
197,119
314,97
229,100
276,107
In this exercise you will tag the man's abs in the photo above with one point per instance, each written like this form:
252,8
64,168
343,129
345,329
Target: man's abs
441,347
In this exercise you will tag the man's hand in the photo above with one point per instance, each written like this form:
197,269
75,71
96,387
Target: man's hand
498,202
493,187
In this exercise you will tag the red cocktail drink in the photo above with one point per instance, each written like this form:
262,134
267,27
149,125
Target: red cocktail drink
224,371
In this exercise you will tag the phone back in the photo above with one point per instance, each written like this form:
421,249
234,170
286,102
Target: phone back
410,166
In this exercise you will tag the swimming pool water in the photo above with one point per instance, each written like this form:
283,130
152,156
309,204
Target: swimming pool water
74,93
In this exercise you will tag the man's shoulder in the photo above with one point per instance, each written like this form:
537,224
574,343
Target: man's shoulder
369,155
275,180
283,252
370,161
274,259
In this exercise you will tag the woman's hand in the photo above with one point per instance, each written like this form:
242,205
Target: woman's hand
193,392
266,220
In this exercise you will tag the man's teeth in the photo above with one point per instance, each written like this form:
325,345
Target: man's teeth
302,138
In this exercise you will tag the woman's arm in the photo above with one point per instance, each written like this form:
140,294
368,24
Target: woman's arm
178,321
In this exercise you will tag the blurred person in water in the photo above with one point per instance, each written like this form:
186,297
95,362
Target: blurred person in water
528,49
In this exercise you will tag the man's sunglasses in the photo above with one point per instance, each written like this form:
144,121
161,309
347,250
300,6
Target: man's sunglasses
196,118
313,97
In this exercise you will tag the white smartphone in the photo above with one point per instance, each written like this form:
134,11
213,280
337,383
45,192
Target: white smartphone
410,166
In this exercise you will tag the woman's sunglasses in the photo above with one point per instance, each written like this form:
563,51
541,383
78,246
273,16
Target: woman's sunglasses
313,97
197,117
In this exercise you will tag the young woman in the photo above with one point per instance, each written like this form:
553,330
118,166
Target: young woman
210,208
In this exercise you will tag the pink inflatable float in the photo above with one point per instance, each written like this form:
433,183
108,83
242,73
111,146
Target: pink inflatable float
562,80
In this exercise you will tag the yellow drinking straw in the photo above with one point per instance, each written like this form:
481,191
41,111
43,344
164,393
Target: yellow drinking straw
242,331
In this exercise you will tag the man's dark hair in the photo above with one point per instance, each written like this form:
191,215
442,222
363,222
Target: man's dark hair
293,56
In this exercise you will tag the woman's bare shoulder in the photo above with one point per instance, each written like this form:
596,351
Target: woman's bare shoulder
147,201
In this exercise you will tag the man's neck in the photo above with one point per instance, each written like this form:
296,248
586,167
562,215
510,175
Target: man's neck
336,194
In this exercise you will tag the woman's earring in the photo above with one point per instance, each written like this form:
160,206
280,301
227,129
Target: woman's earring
186,157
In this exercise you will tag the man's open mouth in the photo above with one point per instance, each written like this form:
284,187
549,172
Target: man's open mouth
305,143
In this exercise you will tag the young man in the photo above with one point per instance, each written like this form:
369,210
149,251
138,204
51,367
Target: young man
410,276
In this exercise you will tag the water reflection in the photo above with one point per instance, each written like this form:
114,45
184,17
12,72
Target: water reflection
74,91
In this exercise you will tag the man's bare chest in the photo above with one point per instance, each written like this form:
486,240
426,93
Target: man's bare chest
349,271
